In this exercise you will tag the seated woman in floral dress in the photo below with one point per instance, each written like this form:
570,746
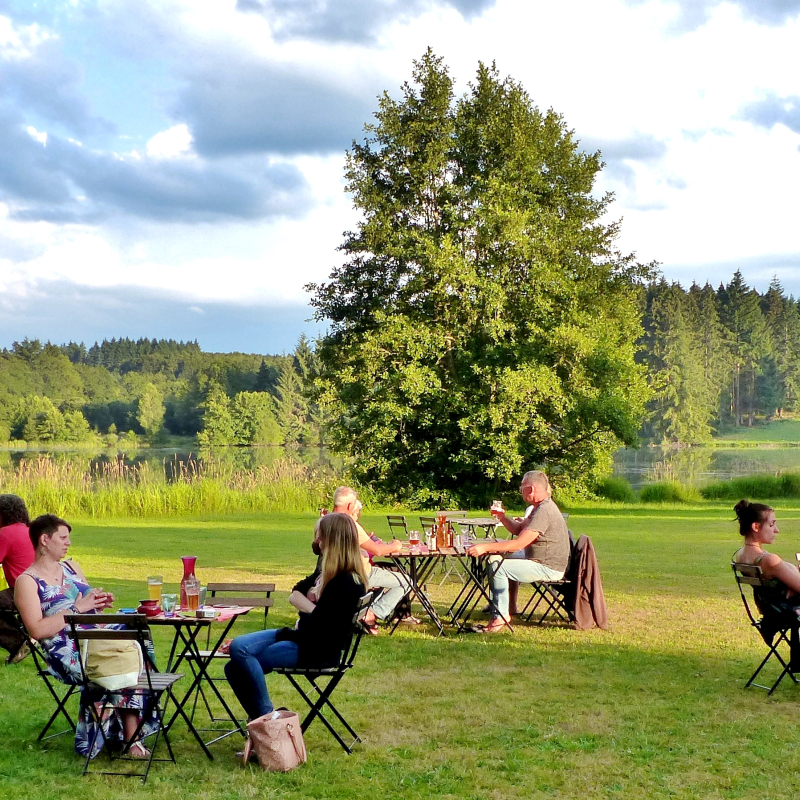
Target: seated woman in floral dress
45,593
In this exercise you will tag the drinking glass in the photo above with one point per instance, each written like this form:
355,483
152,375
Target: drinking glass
168,603
413,538
154,584
203,593
192,594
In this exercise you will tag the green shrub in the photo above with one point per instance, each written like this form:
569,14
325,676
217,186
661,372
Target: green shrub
667,492
755,487
616,489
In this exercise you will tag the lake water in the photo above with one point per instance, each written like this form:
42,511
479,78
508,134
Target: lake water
693,466
697,466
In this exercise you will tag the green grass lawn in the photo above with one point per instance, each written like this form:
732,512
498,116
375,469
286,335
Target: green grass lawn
652,707
777,431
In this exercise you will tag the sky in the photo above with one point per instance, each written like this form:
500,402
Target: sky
174,168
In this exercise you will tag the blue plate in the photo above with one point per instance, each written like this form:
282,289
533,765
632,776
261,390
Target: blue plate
127,611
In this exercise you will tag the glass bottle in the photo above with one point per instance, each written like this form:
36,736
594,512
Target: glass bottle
188,573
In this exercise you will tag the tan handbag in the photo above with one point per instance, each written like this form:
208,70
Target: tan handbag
111,664
278,743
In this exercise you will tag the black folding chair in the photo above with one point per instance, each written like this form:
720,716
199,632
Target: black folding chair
151,684
61,693
320,700
774,620
557,598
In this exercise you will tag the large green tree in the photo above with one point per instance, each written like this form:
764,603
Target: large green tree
483,321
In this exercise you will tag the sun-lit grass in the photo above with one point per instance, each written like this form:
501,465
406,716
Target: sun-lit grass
782,431
653,707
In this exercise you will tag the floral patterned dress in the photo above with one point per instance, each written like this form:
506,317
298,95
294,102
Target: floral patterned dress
63,663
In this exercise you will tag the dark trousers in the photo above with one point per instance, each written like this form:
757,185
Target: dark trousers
11,637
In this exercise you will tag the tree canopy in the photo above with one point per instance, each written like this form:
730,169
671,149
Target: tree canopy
483,321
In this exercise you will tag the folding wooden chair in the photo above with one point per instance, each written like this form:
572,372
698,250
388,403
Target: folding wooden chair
770,619
557,598
151,684
397,525
60,692
427,524
320,699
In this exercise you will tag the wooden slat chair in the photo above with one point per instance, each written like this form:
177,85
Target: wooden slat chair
153,685
774,625
257,595
61,693
397,525
323,681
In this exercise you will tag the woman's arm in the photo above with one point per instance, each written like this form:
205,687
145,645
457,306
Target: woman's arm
301,602
773,566
26,598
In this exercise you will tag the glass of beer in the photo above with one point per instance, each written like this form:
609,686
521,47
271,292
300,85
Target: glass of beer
497,508
192,594
413,538
154,584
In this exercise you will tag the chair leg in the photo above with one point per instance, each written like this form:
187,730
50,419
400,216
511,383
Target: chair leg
60,709
316,708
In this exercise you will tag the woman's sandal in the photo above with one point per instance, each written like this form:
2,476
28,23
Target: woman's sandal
138,750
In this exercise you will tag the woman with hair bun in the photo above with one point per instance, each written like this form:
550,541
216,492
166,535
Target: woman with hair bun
758,525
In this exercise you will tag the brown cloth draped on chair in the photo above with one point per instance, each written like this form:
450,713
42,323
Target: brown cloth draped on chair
590,601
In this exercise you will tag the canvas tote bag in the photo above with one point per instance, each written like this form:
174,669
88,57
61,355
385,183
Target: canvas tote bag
114,665
278,743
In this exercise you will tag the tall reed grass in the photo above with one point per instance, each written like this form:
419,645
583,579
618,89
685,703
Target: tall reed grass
754,487
116,489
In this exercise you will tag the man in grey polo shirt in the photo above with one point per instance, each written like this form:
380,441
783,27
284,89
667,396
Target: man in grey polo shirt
540,551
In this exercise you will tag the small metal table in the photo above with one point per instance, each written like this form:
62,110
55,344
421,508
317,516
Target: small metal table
418,566
185,648
487,524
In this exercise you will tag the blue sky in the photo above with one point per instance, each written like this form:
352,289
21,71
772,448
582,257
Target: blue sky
174,167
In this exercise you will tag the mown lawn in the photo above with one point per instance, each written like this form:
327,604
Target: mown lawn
653,707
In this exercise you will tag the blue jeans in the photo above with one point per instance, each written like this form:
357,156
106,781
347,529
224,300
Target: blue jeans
252,657
516,568
397,587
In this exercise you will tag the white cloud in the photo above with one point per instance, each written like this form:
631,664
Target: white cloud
695,184
175,141
37,135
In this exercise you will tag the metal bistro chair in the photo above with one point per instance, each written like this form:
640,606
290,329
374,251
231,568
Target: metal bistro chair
257,595
51,683
321,698
151,684
557,598
770,621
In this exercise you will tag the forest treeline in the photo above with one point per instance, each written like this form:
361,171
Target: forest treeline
150,388
717,359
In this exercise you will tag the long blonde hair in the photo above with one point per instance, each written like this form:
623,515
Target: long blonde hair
340,550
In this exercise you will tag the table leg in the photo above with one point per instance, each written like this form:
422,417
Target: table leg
477,573
200,665
416,578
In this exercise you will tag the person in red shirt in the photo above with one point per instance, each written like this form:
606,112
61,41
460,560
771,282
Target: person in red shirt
16,555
